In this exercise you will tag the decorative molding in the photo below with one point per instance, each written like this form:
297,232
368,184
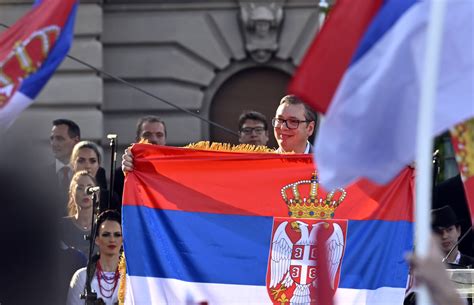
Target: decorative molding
261,24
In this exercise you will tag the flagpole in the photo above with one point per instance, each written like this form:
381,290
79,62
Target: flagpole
424,136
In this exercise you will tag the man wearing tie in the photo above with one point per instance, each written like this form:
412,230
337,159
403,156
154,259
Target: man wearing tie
64,135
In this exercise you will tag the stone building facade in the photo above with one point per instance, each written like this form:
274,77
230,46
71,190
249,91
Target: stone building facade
213,58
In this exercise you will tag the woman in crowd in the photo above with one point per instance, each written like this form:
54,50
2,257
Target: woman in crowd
79,219
86,156
105,276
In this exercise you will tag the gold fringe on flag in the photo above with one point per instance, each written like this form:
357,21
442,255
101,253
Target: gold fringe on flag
216,146
123,278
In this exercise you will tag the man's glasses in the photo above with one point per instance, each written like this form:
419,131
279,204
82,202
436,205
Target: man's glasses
290,123
249,130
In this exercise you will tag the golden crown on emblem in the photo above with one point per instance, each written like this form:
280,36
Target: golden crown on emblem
314,206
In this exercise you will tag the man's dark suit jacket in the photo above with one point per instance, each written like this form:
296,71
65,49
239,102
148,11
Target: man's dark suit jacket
451,192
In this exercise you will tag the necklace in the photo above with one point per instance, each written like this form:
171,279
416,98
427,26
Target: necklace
110,281
80,226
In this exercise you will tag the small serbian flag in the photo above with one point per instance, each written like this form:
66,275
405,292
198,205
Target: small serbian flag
248,228
30,52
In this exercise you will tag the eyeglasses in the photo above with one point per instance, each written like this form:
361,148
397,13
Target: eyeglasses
290,123
249,130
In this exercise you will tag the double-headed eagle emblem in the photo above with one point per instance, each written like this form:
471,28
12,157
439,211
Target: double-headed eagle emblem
293,259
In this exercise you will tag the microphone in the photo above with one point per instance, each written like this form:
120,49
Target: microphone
456,244
92,189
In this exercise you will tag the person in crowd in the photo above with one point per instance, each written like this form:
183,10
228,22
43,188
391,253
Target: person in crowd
294,123
86,156
452,191
105,274
150,129
253,128
79,220
64,135
447,230
446,226
431,271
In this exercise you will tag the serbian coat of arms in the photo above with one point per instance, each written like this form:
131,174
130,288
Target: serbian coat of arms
26,58
292,263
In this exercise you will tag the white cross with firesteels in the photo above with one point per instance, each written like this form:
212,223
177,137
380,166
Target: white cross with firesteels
305,262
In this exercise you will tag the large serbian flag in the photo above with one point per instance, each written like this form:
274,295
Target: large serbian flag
369,128
240,228
30,52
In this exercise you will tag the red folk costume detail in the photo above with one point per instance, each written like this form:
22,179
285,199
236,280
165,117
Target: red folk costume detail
111,281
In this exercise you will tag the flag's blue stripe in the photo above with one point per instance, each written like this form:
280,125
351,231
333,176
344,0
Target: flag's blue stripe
375,254
232,249
34,83
383,21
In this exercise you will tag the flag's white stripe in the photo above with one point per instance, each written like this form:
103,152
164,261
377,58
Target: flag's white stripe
145,290
369,130
380,296
15,106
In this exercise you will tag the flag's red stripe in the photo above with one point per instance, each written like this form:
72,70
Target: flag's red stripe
199,181
330,54
324,291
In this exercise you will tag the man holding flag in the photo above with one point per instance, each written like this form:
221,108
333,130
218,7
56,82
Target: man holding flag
293,124
382,77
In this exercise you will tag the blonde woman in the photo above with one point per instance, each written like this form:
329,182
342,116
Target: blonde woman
86,156
79,219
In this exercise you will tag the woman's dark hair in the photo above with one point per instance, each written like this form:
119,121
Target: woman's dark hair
111,215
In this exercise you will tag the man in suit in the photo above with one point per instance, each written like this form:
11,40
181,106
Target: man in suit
446,226
452,191
64,135
150,129
294,123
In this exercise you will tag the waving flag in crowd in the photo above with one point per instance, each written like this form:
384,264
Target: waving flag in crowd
245,228
30,52
328,57
371,121
462,136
